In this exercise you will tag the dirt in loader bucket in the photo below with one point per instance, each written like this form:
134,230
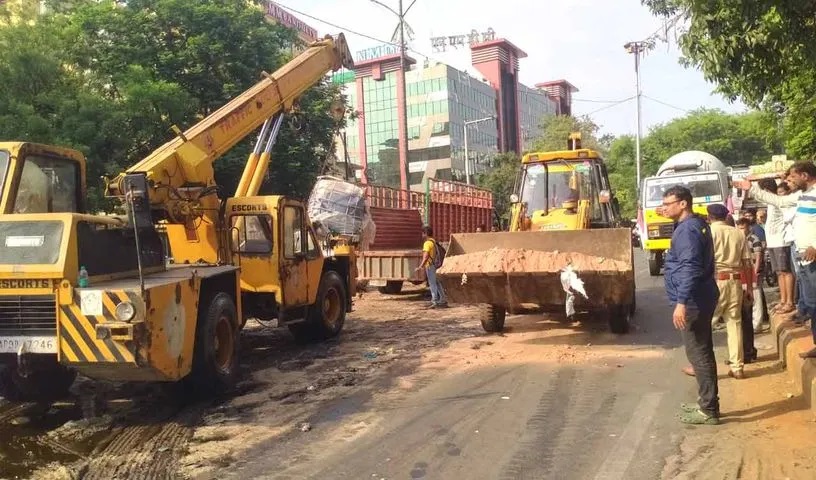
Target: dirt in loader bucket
515,270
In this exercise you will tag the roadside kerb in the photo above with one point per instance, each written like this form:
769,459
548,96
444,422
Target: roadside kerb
791,340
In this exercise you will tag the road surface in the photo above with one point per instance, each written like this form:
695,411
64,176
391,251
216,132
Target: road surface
412,393
605,417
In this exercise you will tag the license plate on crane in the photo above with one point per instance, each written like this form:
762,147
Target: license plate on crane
46,344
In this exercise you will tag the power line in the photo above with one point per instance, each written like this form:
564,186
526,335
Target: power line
609,106
666,104
344,29
592,100
611,103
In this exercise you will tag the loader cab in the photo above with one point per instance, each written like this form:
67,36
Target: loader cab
37,178
565,190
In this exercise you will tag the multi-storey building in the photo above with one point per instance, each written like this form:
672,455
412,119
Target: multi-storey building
501,115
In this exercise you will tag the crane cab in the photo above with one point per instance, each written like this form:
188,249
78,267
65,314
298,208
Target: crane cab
37,178
287,273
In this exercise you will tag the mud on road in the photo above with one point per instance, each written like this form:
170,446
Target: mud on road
153,431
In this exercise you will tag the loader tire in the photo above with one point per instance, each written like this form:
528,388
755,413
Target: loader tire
655,264
391,288
619,318
217,343
327,315
492,317
43,383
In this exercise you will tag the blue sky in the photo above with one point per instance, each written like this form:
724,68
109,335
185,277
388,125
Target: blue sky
578,40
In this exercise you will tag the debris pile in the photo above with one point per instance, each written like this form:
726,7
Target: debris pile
510,260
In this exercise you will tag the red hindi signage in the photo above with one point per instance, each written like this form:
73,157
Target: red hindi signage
285,18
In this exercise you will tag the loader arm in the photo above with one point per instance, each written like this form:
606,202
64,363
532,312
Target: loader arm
180,173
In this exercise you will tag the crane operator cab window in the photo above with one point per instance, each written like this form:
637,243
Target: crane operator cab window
252,234
298,239
47,184
292,232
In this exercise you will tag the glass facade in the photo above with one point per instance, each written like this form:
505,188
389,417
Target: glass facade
472,100
534,105
439,100
381,129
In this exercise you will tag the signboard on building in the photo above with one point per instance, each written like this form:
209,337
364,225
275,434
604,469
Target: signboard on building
278,14
439,44
371,53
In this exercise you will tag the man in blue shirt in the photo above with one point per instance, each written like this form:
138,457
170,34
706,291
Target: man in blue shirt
692,291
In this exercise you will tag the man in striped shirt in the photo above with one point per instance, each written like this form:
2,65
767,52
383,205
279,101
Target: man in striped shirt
803,176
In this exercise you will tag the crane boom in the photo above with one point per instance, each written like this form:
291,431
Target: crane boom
185,164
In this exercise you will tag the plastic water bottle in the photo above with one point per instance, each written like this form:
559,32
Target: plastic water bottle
83,277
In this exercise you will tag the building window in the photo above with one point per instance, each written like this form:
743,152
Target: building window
443,174
440,129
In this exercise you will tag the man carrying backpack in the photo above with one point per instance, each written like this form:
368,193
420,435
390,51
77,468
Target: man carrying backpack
433,254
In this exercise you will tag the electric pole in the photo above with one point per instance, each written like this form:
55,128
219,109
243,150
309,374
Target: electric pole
402,106
638,48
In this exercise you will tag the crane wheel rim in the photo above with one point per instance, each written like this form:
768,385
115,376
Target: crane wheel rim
224,344
331,307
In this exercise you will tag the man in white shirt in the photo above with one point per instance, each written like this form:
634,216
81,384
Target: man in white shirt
803,176
778,248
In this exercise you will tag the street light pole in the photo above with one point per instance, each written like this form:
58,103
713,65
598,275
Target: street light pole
467,156
637,48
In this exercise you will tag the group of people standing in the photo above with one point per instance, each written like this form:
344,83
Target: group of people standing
712,275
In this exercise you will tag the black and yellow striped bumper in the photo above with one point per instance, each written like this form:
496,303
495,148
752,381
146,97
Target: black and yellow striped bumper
96,336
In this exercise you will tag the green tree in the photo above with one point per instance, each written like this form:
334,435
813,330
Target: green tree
733,138
555,130
110,80
620,164
501,181
758,51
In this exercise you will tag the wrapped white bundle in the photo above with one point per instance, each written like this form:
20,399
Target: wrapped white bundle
339,207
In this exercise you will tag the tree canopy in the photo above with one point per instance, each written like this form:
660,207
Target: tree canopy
747,138
111,78
735,139
501,181
555,130
759,51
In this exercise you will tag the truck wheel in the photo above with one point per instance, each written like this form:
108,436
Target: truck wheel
217,343
655,264
327,315
619,318
42,383
391,288
492,317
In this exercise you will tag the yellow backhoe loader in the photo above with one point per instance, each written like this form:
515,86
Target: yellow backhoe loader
161,292
563,203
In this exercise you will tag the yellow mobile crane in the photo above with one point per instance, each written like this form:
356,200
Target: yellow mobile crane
170,284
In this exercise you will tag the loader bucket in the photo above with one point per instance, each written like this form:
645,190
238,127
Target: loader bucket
481,280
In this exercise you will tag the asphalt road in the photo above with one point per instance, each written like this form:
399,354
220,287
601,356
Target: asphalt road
513,421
